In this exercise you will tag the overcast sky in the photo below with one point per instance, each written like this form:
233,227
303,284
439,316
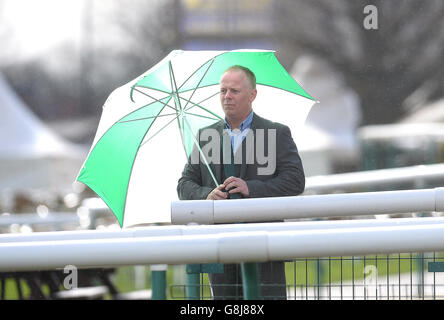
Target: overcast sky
29,28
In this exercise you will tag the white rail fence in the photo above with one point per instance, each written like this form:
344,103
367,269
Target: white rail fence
418,176
251,246
181,230
218,240
309,206
279,242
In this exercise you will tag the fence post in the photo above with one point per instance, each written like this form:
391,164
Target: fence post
158,281
192,288
250,281
420,274
319,276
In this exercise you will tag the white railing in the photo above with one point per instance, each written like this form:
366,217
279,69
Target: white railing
251,246
53,218
308,206
257,242
416,175
180,244
189,230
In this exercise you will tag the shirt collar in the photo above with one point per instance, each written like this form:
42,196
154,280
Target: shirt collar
246,124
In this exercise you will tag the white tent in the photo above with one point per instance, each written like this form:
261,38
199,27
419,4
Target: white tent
329,136
31,155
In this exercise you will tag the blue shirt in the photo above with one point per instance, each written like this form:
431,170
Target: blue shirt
238,135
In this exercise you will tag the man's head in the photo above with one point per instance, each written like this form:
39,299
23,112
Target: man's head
237,93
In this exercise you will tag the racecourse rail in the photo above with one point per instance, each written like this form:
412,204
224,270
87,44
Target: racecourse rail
418,175
309,206
281,241
218,238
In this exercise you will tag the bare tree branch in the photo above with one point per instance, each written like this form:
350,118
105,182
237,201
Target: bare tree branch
385,65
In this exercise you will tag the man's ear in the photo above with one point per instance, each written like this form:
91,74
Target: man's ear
253,95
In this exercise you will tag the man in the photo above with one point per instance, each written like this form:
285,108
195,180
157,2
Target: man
246,178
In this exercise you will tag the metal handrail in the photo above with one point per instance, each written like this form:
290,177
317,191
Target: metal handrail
233,247
307,206
419,175
182,230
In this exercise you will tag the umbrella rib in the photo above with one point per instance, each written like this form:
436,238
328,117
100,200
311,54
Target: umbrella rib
147,87
197,86
178,104
145,118
203,108
201,67
201,116
121,121
174,85
135,86
155,99
159,130
187,125
200,102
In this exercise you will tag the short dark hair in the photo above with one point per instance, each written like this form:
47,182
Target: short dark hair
250,74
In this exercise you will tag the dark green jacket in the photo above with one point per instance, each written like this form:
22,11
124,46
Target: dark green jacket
288,178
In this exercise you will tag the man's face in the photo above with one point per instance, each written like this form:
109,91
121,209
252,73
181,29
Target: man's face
236,95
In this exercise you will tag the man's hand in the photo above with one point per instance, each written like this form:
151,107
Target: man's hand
217,193
236,185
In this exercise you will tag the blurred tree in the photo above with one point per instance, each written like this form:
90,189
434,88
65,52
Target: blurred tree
385,65
139,35
50,94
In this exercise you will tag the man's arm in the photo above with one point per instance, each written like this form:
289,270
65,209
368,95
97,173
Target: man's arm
289,178
190,186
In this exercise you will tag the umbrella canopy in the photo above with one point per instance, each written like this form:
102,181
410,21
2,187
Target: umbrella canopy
148,127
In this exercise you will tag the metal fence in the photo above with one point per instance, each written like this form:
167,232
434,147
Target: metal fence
358,276
411,276
386,277
379,277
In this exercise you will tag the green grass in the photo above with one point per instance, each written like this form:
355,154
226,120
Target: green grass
11,292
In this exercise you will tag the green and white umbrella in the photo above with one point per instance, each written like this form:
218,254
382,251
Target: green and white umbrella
148,126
